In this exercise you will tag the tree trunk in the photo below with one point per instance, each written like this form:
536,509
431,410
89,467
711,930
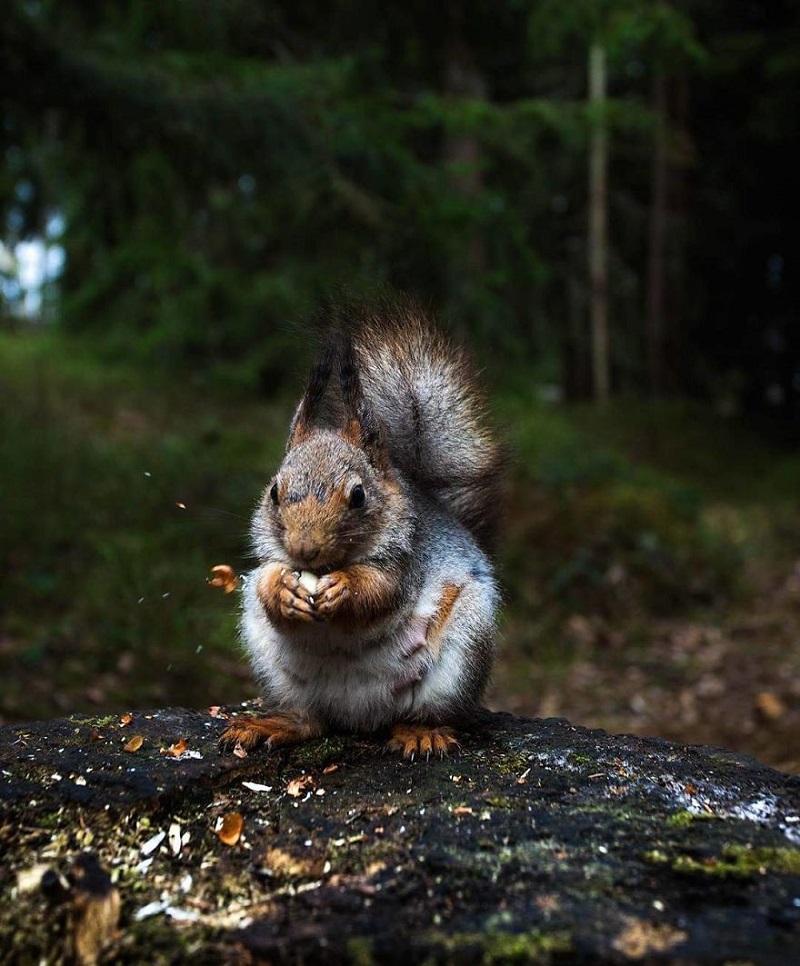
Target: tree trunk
464,79
598,226
655,315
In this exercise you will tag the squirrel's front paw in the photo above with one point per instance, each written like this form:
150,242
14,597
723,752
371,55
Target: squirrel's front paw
332,592
281,590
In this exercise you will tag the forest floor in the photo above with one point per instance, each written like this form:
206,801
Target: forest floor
651,562
730,679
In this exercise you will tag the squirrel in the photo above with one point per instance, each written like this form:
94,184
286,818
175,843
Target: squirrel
373,604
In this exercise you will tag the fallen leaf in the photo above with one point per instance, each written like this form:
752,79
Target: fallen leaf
239,750
769,706
177,749
225,577
126,719
230,828
297,786
134,744
330,769
462,810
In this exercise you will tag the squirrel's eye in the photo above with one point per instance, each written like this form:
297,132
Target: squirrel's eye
273,493
357,496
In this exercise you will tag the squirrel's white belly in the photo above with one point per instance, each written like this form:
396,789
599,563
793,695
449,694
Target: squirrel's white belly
318,671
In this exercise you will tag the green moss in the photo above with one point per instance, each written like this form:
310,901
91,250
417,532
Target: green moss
502,801
504,947
535,946
735,860
359,951
684,819
102,721
317,754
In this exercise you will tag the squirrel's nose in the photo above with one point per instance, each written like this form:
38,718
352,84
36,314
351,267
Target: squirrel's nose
305,549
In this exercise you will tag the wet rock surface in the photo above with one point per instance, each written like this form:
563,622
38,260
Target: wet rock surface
539,842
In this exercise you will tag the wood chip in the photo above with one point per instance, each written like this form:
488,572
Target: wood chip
330,769
297,786
230,828
177,749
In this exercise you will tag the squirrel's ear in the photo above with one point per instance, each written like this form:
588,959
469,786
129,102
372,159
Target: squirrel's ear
364,432
303,420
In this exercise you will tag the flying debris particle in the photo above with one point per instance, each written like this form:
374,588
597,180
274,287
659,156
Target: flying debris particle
225,577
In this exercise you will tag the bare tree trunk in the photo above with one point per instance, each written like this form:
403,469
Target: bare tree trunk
655,315
598,227
576,376
463,79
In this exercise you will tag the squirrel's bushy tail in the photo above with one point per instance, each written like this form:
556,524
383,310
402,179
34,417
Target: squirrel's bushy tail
425,392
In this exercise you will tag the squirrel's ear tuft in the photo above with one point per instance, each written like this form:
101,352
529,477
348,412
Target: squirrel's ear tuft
307,411
363,428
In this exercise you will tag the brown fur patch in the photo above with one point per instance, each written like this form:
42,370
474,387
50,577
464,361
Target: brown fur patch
450,594
371,594
352,433
274,730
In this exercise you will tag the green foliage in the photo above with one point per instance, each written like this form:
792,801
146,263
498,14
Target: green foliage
597,532
104,596
218,180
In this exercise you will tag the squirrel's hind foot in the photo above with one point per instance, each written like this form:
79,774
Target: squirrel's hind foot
421,741
273,730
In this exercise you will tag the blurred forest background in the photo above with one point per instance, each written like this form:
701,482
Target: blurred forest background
599,196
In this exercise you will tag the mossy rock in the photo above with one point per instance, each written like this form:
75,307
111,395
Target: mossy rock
540,842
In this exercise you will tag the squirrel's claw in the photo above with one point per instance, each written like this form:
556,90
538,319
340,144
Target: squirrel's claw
293,608
332,592
413,740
